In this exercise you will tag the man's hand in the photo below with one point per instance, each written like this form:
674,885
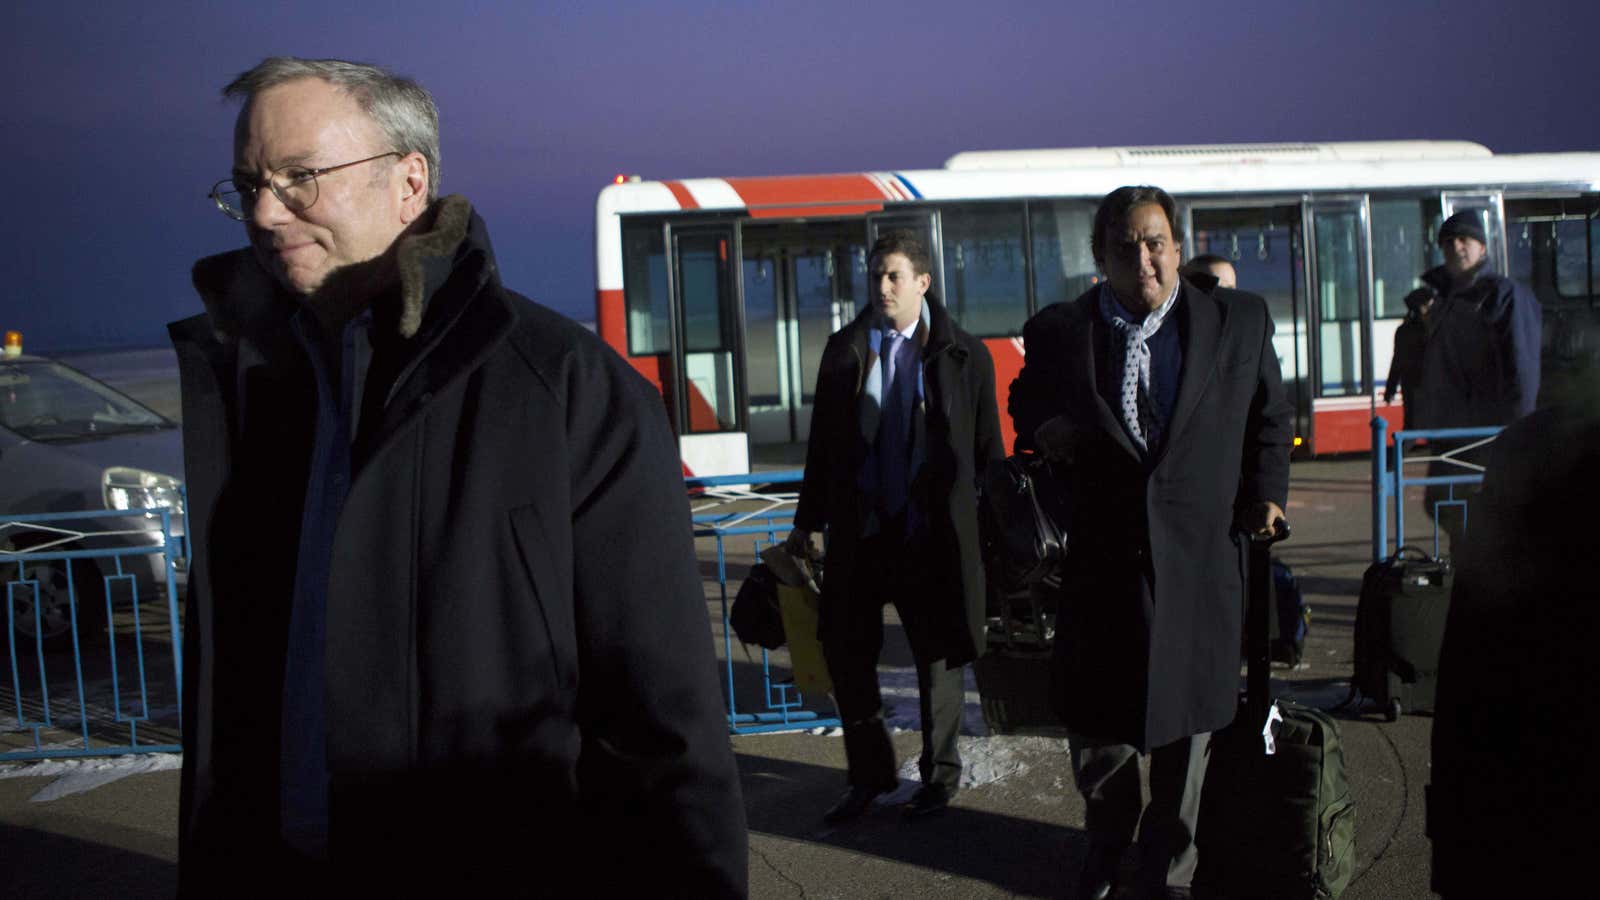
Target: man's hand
798,544
1055,439
1259,518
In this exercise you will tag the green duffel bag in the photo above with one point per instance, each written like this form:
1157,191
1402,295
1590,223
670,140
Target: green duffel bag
1278,826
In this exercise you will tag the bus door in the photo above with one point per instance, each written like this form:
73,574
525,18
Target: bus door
1553,242
1263,242
1340,263
1491,212
925,223
707,381
802,282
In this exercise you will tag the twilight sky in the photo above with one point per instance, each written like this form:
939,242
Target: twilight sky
114,128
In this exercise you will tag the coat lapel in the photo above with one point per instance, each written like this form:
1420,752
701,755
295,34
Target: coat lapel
1199,361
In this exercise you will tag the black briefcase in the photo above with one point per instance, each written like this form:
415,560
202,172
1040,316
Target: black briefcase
1024,515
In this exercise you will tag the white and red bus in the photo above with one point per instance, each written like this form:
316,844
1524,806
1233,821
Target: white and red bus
722,291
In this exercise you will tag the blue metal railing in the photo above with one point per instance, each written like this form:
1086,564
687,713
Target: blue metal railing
1389,481
113,699
735,506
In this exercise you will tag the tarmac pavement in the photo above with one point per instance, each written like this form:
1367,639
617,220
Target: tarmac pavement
1015,832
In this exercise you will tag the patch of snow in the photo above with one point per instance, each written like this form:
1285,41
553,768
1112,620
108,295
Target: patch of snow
74,776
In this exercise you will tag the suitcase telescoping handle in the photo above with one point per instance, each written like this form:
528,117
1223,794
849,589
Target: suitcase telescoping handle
1258,638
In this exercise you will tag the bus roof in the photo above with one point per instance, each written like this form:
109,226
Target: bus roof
854,193
1216,154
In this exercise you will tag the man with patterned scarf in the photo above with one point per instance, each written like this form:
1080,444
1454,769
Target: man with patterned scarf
1165,403
444,615
905,424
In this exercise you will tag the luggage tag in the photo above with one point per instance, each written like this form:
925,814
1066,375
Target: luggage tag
1268,735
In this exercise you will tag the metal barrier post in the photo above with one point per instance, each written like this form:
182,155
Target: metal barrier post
1380,488
1400,490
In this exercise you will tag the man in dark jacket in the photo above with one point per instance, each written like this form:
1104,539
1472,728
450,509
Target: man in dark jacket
1166,403
905,424
444,616
1480,364
1405,367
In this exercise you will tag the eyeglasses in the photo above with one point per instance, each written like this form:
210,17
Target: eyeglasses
294,186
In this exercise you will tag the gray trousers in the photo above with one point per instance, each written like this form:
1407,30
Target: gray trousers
888,573
1107,774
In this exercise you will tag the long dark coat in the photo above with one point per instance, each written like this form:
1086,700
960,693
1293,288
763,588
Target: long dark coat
1147,642
963,435
519,674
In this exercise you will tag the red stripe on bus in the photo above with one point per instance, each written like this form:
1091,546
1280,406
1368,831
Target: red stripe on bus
685,199
799,190
787,212
611,324
1007,365
1350,430
702,418
610,320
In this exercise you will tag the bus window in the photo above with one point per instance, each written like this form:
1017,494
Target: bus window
1548,243
709,324
1572,258
644,266
1339,283
1263,244
986,281
1402,249
1063,266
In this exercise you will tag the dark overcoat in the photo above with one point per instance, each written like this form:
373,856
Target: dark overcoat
1147,642
519,676
962,423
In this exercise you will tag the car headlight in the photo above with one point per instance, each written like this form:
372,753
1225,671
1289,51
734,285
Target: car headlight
126,488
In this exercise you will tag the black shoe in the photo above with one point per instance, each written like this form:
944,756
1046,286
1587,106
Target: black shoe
1098,878
854,802
929,799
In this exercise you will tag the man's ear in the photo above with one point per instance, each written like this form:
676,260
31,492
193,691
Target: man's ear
413,187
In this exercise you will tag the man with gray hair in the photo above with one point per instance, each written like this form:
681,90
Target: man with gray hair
444,611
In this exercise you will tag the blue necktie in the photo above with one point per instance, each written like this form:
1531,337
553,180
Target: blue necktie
894,428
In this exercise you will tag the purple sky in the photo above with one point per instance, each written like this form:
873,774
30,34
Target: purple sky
114,127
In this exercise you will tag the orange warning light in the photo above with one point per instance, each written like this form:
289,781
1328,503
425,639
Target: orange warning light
620,179
1298,440
13,344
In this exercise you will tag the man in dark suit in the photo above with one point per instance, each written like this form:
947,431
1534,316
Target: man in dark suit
905,423
1166,403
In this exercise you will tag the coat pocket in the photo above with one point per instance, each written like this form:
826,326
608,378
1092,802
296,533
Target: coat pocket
550,582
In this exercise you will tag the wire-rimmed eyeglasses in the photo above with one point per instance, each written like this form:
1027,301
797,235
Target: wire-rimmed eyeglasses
294,186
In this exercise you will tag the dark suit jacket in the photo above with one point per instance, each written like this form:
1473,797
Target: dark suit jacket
1147,644
963,435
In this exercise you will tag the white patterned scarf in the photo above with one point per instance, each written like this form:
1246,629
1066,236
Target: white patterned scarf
1135,361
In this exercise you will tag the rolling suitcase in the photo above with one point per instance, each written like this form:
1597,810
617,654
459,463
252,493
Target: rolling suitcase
1276,817
1400,619
1013,675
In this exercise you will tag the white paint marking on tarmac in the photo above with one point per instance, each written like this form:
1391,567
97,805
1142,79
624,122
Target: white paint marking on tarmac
74,776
